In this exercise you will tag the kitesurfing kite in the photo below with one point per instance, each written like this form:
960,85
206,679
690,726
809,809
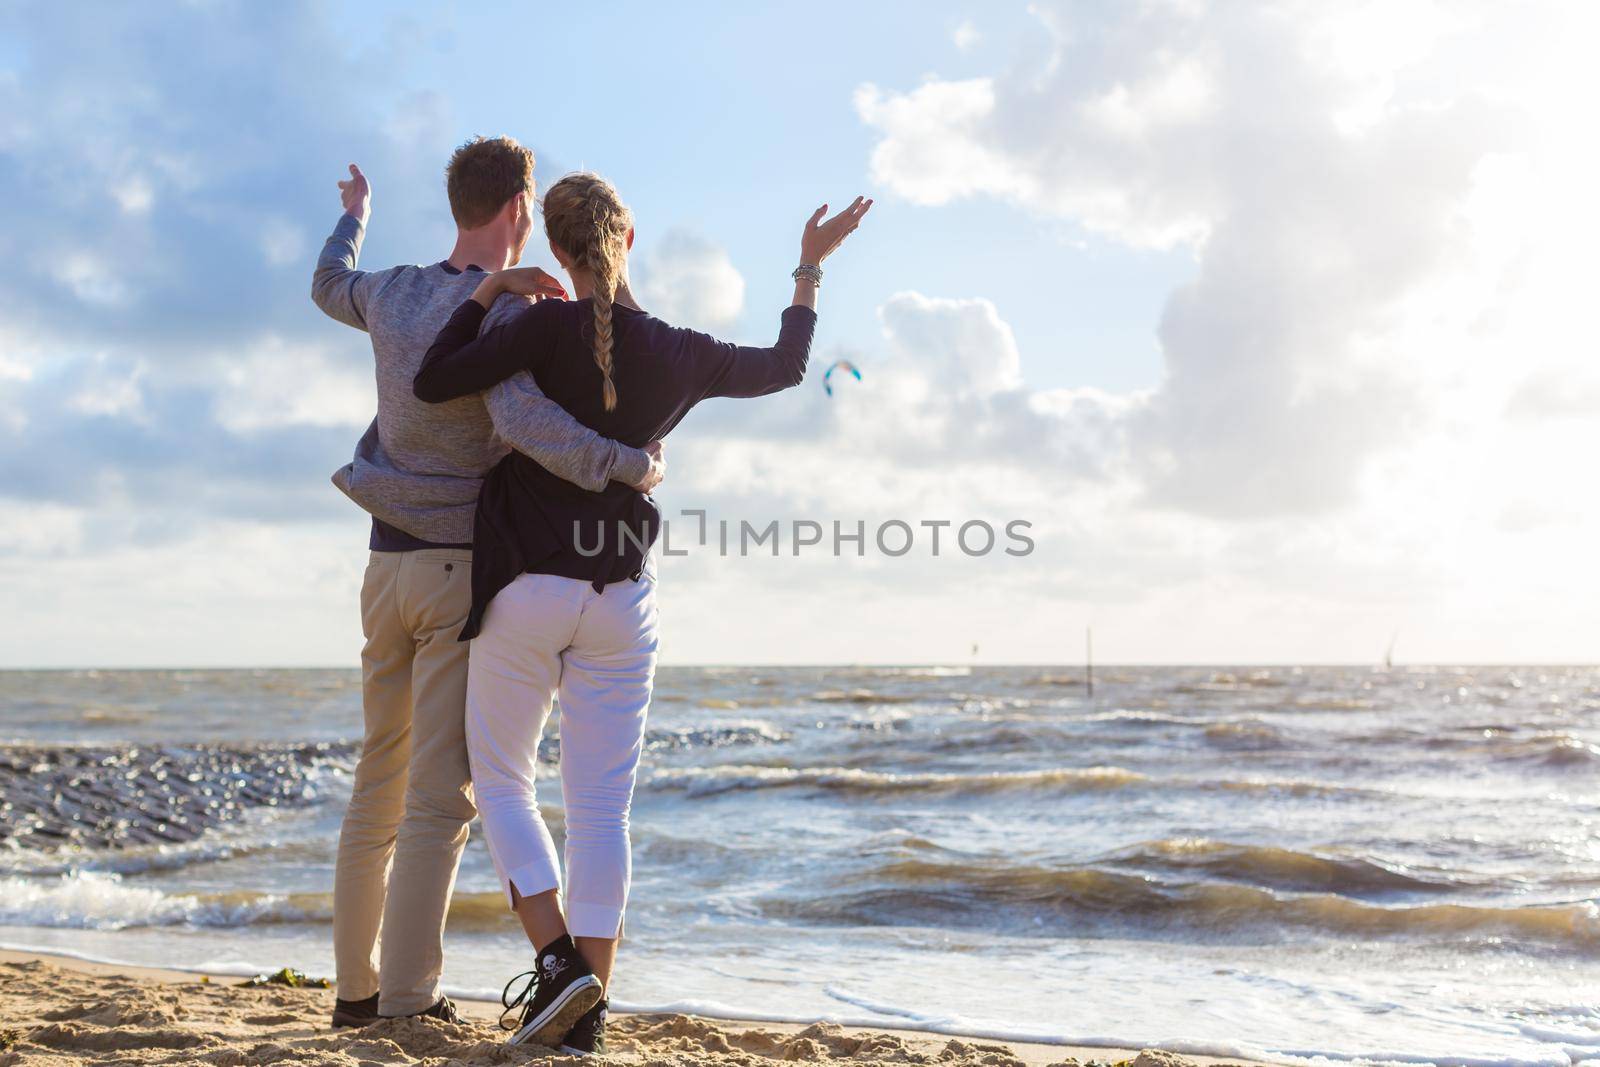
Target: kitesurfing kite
840,365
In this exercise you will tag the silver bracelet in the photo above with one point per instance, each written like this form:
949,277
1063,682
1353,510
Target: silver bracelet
808,272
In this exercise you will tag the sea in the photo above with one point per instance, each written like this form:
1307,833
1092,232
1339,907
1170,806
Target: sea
1352,864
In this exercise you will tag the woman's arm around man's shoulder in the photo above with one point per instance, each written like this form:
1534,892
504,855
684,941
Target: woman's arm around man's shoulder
460,362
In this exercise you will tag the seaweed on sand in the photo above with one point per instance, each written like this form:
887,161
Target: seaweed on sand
290,977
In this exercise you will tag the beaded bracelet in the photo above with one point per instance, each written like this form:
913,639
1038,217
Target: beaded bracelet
809,272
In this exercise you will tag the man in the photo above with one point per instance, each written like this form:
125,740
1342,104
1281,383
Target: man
417,471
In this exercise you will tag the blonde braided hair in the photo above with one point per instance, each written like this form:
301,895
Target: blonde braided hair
587,220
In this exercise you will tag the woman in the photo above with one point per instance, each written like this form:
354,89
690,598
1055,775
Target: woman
563,589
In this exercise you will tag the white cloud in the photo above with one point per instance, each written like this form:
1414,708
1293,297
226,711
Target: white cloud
420,118
933,151
111,388
18,359
40,530
276,384
134,194
1376,411
91,280
689,281
1551,393
14,369
1229,129
283,243
187,599
965,35
964,344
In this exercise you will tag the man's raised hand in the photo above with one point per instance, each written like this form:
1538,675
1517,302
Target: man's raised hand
356,195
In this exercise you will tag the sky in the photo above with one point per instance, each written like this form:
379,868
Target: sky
1271,321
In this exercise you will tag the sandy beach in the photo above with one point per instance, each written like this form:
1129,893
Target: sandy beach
55,1010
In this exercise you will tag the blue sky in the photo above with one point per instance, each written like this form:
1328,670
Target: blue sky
728,120
1263,315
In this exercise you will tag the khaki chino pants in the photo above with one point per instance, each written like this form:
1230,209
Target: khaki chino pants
412,799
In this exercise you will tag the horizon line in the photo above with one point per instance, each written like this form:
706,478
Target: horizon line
708,665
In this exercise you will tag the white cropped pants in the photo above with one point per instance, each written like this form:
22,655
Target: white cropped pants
543,635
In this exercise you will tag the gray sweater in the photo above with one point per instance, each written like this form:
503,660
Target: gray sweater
419,466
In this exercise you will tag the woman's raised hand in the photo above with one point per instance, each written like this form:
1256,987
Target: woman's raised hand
821,238
529,281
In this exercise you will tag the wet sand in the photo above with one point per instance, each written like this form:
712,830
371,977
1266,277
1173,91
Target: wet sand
57,1011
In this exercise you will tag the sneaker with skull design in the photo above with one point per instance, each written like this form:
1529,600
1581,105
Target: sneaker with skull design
588,1035
559,991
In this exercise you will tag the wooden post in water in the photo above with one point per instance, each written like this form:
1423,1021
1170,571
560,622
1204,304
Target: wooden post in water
1088,661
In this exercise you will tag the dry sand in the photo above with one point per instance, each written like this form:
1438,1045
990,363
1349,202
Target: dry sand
57,1011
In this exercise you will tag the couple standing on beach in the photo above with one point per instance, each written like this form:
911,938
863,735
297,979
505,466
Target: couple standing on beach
518,428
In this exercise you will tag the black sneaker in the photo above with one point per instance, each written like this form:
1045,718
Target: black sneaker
588,1035
445,1010
355,1012
558,993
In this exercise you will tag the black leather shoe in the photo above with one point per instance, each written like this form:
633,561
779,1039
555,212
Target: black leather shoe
445,1010
355,1012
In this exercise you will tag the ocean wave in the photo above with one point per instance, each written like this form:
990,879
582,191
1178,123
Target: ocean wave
92,900
1144,718
1249,734
732,778
1570,752
1005,737
659,739
1332,704
863,696
1293,787
1500,743
981,705
229,842
1076,681
710,781
1281,868
918,891
896,721
1228,682
1557,750
745,732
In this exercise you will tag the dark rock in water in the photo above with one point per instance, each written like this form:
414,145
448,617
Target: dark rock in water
101,798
